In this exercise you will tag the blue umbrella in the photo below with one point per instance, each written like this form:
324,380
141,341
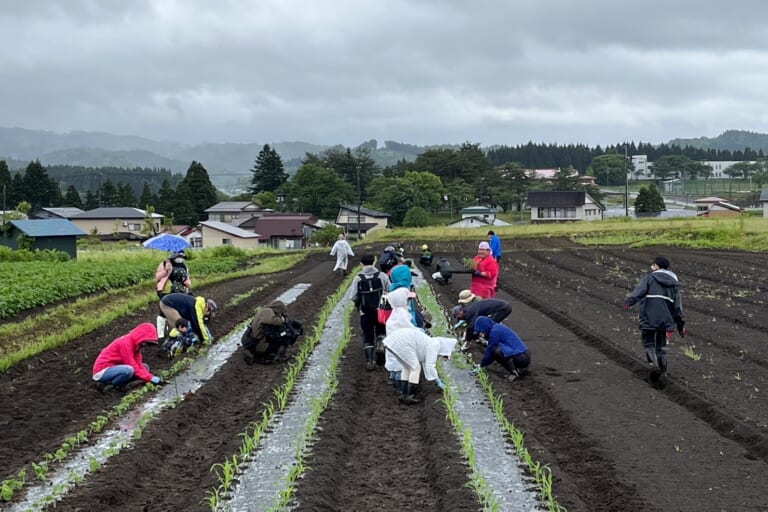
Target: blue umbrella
167,242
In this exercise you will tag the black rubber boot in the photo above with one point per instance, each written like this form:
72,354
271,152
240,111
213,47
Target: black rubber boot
653,361
370,359
410,396
662,358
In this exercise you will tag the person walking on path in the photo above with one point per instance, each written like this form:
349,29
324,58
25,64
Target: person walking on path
471,307
495,242
661,311
119,365
504,347
342,250
485,271
367,289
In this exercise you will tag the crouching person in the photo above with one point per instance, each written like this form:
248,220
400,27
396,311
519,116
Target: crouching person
119,365
181,338
504,347
409,351
270,334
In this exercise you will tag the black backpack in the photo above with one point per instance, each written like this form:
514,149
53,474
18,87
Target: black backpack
369,290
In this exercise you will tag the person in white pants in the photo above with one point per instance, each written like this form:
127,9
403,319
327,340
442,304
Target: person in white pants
412,351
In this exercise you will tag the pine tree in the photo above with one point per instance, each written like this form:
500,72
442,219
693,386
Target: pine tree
147,199
72,198
36,186
268,171
197,191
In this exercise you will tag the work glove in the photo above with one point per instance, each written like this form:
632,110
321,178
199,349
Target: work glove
477,273
474,371
626,307
440,383
670,334
156,380
458,325
681,328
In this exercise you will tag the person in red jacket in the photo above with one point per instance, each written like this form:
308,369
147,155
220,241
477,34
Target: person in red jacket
119,365
485,272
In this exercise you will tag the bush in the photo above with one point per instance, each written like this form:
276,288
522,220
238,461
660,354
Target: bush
416,217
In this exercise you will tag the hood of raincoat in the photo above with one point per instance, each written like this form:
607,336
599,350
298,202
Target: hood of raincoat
665,277
483,324
278,307
400,277
142,333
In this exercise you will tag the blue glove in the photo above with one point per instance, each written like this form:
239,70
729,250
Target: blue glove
475,370
477,273
459,324
440,383
156,380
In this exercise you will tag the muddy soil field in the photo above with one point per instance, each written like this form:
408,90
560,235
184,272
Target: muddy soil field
696,440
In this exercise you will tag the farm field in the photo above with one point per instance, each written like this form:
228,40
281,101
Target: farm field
695,441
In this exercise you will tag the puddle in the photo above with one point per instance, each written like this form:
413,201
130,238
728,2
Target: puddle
110,442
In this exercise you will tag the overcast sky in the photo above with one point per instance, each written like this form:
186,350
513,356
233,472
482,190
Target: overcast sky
421,72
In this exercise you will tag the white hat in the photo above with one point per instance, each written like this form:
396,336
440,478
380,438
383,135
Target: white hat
466,296
484,245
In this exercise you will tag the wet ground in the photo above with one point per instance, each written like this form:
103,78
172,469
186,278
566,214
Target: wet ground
615,441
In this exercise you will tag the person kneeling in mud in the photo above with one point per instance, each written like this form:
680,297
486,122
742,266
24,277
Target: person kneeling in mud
504,347
270,334
408,351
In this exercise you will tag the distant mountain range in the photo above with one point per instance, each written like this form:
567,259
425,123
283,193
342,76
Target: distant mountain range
229,164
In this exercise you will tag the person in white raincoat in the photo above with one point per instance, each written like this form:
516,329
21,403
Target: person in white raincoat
342,250
413,351
400,318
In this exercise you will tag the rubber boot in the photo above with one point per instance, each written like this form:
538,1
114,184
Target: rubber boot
410,394
370,359
280,356
160,327
653,361
662,358
400,387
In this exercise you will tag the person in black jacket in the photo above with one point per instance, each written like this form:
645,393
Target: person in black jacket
661,311
471,307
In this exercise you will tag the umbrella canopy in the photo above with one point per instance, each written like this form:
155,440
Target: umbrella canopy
167,242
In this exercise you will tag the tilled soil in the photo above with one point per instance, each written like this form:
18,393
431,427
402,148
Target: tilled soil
614,440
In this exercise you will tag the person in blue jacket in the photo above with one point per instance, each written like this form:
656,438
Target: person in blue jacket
504,347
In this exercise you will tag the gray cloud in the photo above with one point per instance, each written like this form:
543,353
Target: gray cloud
422,71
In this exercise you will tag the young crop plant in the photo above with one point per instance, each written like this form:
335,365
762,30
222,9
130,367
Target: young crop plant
690,352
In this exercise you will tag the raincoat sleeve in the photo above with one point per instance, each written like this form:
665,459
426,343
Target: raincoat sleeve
205,334
188,280
161,275
430,358
131,356
640,291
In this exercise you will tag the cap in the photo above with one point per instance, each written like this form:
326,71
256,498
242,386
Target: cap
661,262
424,247
457,310
466,296
484,245
180,254
210,304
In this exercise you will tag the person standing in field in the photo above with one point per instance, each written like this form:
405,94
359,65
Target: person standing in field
661,311
342,250
367,289
120,366
173,270
495,242
485,271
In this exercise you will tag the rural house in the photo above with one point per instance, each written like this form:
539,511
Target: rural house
716,207
235,212
52,234
563,206
215,234
368,221
764,202
117,223
283,230
66,212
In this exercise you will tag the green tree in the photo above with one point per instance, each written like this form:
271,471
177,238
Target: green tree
416,217
108,194
148,227
91,201
268,173
398,195
609,169
326,235
649,200
266,200
671,166
196,190
566,179
317,190
125,195
36,185
72,197
147,198
166,198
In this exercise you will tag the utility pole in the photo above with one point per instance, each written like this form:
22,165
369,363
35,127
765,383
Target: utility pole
626,184
359,200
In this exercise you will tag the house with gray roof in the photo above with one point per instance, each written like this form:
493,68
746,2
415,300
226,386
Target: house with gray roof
66,212
563,206
52,234
365,220
215,234
117,223
235,212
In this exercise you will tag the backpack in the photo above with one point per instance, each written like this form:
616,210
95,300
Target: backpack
369,290
177,278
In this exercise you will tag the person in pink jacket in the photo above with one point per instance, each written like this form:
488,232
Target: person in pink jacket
485,272
119,365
